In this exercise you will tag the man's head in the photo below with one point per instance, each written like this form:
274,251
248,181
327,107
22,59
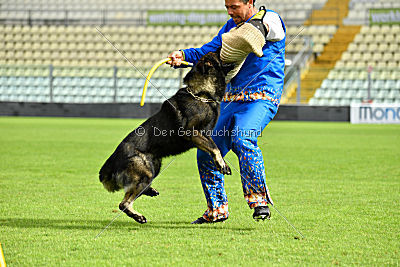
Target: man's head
240,10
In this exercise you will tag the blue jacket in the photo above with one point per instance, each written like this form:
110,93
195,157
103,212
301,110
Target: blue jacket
259,78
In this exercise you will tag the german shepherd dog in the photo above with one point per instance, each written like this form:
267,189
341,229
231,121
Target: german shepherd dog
182,123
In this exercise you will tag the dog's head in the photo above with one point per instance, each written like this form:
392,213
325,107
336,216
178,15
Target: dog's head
212,62
208,74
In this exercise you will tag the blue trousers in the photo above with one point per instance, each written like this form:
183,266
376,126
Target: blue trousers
238,127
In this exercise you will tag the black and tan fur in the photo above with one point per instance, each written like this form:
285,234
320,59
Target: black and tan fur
137,159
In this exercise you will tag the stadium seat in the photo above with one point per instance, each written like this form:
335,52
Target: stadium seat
78,51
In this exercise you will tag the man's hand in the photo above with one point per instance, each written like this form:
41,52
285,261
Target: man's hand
176,58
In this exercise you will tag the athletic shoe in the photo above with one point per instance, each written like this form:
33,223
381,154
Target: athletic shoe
261,213
201,220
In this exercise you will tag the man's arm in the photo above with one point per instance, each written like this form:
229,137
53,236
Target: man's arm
193,55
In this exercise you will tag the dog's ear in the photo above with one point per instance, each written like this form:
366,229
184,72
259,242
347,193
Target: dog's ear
227,67
205,67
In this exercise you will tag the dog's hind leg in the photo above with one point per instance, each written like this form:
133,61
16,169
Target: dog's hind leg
151,192
130,196
138,175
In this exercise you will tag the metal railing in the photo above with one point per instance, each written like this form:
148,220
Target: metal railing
52,82
293,72
73,17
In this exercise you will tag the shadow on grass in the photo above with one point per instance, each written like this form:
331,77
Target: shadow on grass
64,224
75,224
187,225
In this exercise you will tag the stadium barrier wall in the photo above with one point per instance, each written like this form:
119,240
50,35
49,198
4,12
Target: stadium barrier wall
133,110
313,113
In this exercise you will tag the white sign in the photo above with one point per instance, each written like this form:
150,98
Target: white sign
375,113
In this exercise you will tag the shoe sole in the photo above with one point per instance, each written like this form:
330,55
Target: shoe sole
208,222
261,217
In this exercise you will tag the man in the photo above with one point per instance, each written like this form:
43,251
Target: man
251,101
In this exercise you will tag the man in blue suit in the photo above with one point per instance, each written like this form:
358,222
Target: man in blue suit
251,101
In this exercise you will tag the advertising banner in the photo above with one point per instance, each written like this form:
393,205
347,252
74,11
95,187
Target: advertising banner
384,16
187,17
375,113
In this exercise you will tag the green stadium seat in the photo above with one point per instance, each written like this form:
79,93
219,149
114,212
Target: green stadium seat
351,93
341,93
319,93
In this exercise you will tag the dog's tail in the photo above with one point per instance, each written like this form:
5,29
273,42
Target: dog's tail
107,177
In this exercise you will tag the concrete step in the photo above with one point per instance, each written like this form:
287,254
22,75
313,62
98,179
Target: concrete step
316,75
329,57
348,29
311,84
334,49
327,66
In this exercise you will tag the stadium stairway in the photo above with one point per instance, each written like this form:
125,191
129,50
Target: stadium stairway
333,12
319,69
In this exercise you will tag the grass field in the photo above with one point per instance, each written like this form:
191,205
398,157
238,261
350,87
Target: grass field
339,184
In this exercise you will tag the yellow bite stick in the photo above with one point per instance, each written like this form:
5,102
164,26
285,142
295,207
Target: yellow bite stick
152,70
2,260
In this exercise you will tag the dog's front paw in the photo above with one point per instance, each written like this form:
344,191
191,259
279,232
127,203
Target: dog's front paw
224,168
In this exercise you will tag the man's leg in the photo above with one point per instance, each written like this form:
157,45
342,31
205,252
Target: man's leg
249,123
212,180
